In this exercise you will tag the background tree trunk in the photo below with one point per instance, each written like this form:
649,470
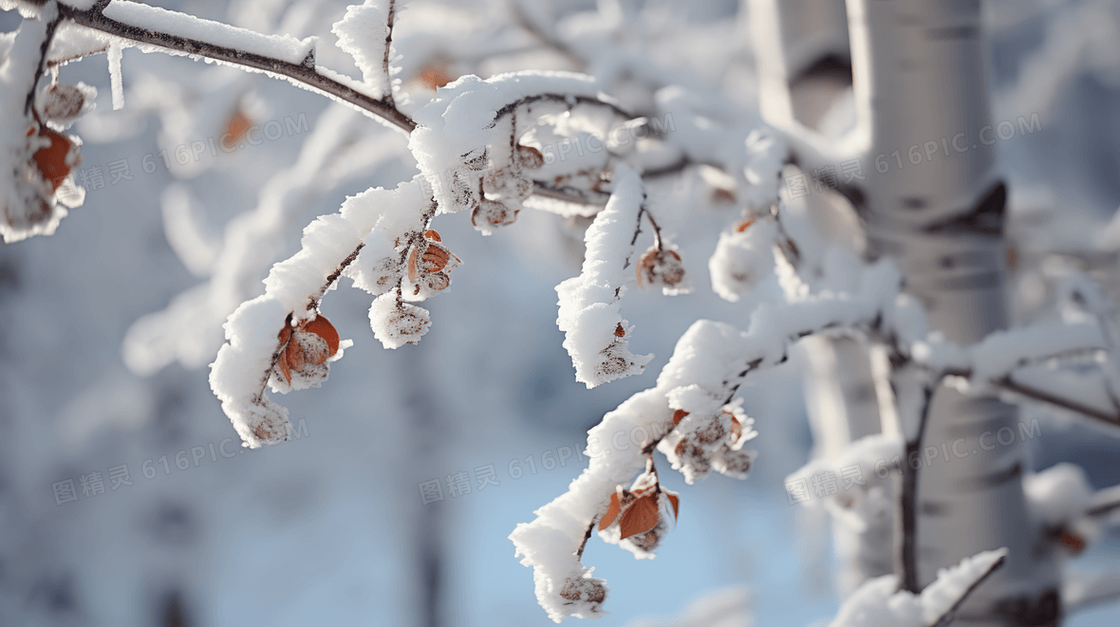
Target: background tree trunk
934,203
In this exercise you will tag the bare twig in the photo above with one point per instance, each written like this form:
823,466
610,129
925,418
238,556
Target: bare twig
1009,385
906,521
1105,502
950,614
385,63
48,36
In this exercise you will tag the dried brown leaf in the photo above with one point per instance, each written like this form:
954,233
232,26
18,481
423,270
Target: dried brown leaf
640,517
323,328
611,513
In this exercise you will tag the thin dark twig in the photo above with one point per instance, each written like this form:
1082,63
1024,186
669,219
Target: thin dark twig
586,537
906,521
48,37
385,64
950,614
1008,384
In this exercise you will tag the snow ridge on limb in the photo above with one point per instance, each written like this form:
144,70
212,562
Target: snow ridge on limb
142,16
879,602
689,403
590,314
280,339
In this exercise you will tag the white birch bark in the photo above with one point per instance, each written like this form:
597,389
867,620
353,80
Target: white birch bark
932,201
919,80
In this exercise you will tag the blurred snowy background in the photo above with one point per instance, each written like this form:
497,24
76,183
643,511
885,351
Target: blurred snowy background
108,327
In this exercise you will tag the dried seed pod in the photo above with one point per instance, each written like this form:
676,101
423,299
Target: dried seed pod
660,267
584,590
62,102
437,281
493,213
495,181
529,157
619,331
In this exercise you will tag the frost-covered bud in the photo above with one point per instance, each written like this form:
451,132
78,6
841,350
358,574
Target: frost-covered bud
61,103
267,423
385,274
701,443
463,193
477,159
395,323
529,157
744,257
506,184
734,464
492,214
663,267
587,593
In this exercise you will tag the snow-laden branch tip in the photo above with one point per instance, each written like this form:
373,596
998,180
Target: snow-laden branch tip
590,314
259,329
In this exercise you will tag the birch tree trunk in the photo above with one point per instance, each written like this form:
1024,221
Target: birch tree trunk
932,201
921,92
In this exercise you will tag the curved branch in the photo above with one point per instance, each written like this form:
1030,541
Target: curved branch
303,73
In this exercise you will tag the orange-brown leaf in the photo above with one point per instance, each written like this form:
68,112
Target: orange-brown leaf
678,416
294,353
285,336
412,271
736,430
236,128
640,517
1072,541
744,225
434,76
435,258
433,235
619,331
323,328
676,502
285,369
52,159
612,512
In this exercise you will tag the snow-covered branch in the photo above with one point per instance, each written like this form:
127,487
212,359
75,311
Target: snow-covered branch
879,601
689,417
154,29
